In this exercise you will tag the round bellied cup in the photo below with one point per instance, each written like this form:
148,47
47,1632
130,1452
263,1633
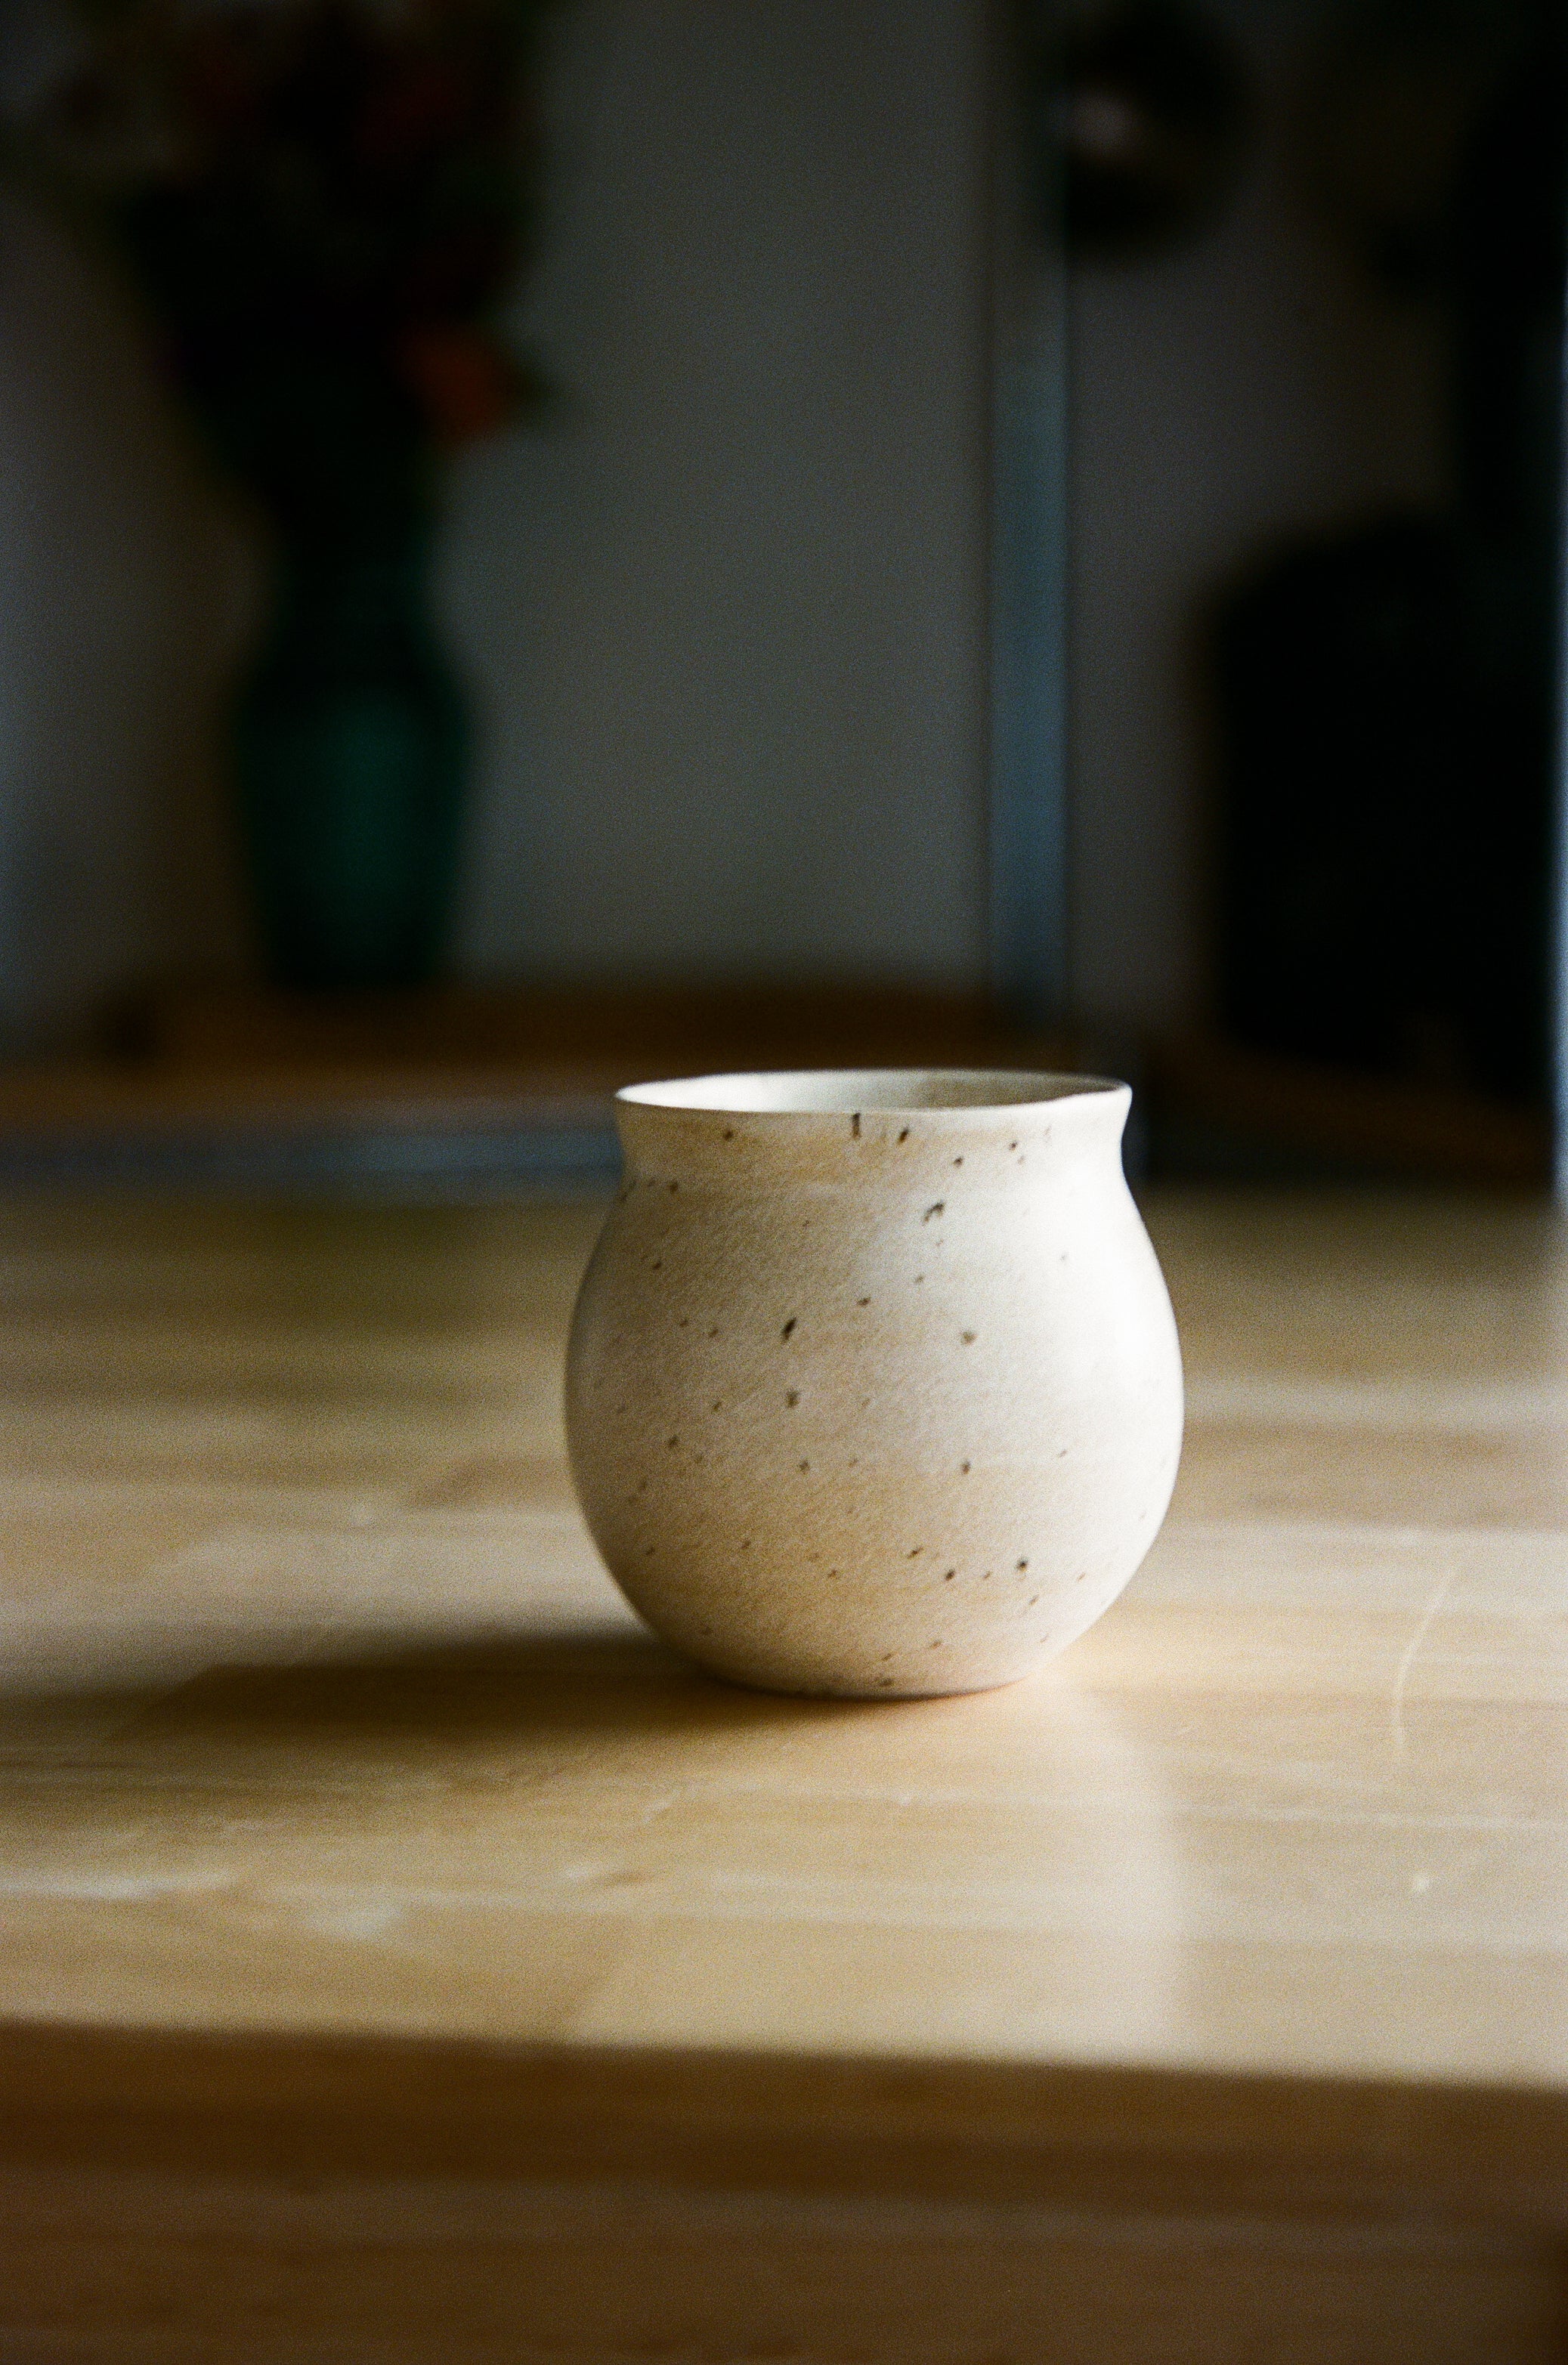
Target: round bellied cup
873,1386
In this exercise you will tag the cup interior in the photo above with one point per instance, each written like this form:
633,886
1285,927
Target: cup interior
838,1091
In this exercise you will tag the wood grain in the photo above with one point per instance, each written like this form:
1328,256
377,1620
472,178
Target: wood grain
404,1955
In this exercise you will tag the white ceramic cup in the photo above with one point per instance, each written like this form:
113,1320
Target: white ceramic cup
873,1385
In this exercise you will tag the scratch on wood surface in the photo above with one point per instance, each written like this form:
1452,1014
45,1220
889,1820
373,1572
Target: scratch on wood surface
1408,1658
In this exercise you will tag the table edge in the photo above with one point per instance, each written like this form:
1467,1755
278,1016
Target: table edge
420,2106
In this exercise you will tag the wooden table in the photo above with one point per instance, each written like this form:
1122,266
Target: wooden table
405,1957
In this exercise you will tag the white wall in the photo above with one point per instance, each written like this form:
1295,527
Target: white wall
724,617
730,610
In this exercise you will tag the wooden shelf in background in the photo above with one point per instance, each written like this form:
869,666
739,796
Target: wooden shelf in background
517,1083
511,1084
1252,1104
597,1037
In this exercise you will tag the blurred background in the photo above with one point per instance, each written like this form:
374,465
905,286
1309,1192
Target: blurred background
544,542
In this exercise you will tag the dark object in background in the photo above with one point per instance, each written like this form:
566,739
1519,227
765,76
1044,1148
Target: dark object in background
1510,266
1384,880
1388,700
351,746
323,204
1146,116
1393,94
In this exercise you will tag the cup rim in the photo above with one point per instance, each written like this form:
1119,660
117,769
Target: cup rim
792,1094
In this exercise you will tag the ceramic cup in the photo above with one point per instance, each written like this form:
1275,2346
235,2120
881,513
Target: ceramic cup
873,1385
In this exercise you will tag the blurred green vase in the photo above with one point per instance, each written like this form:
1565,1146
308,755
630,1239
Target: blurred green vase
351,746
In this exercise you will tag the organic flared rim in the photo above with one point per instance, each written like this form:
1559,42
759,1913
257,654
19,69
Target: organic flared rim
805,1093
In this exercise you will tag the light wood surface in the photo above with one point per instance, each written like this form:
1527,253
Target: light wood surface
404,1955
